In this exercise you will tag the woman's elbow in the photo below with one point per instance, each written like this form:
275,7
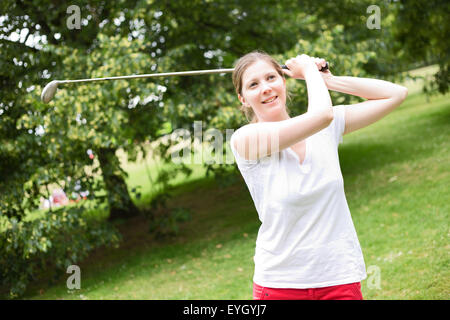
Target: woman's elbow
398,98
403,93
327,117
330,115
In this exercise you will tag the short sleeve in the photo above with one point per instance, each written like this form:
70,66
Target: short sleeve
337,126
242,163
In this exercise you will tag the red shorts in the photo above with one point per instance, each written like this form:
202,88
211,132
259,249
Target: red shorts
350,291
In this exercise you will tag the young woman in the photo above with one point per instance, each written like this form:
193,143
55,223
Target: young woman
307,247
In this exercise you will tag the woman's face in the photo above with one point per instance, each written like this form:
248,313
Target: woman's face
264,90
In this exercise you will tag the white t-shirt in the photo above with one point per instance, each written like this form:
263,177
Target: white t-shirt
307,238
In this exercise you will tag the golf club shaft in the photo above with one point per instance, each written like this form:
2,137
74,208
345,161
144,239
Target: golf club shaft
50,89
152,75
167,74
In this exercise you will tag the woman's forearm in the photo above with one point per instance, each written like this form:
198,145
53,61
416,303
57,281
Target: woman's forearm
260,139
318,95
367,88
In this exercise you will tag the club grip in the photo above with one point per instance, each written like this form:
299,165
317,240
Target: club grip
323,68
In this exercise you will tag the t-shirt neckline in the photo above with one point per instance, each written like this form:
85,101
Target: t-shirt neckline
304,166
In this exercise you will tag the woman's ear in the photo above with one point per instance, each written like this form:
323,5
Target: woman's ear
241,99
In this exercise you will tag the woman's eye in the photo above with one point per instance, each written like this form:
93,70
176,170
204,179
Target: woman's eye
253,84
271,77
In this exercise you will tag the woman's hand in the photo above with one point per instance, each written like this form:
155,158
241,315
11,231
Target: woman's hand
301,64
320,64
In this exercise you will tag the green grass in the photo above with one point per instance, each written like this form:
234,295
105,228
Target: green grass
396,181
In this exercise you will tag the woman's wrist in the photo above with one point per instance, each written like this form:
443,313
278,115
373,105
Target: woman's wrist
328,78
310,70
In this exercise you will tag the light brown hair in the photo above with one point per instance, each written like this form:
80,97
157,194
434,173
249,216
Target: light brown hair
239,68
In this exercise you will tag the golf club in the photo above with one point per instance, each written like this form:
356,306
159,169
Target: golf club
50,89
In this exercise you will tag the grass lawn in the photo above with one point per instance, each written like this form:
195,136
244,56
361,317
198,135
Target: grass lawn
396,181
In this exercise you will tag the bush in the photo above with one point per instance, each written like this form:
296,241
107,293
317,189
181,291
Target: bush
52,242
164,221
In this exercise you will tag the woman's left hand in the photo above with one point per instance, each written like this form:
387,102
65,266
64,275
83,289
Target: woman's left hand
320,64
326,74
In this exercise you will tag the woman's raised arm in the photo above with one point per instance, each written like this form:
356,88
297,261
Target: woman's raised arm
307,68
383,97
258,140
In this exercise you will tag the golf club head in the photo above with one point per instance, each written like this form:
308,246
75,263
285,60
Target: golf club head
49,91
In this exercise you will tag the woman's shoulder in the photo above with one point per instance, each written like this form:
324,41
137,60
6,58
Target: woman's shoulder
244,164
243,129
246,127
237,132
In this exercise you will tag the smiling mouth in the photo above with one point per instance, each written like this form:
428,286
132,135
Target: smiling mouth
272,99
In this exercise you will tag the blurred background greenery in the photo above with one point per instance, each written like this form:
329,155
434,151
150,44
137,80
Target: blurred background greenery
129,211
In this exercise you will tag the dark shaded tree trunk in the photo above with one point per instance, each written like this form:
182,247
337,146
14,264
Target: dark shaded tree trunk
119,200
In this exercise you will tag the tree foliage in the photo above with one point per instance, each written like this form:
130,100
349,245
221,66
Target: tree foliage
422,30
48,145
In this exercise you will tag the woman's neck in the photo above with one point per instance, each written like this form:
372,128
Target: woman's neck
283,116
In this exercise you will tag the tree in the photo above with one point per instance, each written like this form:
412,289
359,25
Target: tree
412,34
28,160
163,35
422,31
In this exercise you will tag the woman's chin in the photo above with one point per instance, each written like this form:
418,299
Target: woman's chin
275,113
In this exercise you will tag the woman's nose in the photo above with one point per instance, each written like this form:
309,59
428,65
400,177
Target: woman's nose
266,88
